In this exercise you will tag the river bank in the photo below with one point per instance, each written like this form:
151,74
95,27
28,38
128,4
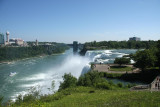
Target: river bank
101,92
44,55
16,53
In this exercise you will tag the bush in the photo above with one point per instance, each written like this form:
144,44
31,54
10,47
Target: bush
120,85
69,81
29,98
1,100
33,95
95,79
130,85
19,99
90,79
104,85
122,60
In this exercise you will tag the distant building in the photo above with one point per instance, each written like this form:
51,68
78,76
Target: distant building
36,42
12,41
19,42
134,39
2,40
155,85
16,41
75,46
7,36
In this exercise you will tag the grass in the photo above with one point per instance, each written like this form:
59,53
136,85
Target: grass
120,68
88,96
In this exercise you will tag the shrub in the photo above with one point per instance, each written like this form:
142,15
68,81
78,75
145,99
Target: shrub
19,99
89,79
95,79
122,60
130,85
29,98
1,100
120,85
104,85
69,81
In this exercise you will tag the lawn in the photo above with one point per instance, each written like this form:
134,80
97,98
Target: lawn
120,68
88,96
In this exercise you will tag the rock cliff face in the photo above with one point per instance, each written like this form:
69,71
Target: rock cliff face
83,51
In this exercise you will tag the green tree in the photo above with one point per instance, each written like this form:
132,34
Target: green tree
69,81
145,59
122,60
158,53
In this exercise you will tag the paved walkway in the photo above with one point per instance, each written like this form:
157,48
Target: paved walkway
106,68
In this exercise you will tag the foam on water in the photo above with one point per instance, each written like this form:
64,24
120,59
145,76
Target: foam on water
72,64
40,76
106,56
52,69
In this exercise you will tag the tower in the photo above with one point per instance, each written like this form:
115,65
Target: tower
7,36
36,42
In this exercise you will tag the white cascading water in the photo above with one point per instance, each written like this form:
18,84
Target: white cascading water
74,64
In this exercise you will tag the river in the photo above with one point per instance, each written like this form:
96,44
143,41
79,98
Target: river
41,71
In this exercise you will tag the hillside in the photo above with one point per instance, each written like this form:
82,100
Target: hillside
88,96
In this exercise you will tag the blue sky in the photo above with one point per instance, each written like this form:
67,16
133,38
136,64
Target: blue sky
81,20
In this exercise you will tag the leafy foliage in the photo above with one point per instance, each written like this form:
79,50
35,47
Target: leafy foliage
90,79
1,99
13,53
69,81
122,60
33,95
145,59
120,44
158,54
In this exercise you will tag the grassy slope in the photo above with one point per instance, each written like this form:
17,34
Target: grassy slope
81,96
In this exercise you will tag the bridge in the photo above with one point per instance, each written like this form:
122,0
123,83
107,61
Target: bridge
76,46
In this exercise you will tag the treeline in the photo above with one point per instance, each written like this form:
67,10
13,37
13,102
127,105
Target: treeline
90,79
14,53
144,59
121,44
117,45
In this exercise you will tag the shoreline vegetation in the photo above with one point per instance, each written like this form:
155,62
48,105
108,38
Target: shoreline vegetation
93,89
9,54
8,62
90,89
103,45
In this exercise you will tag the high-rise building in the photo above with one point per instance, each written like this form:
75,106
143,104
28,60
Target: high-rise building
2,40
75,46
134,39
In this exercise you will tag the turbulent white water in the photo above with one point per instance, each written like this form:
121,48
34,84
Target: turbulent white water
43,70
107,56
